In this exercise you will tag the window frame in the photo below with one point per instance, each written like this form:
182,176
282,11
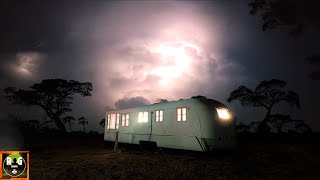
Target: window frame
160,119
117,120
108,121
181,115
143,116
125,120
116,123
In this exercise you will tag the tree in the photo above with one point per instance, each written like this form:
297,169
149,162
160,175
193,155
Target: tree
254,126
295,15
303,128
102,122
83,122
68,119
279,120
242,128
267,94
54,96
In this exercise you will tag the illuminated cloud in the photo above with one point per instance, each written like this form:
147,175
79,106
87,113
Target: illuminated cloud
23,65
153,49
156,50
27,63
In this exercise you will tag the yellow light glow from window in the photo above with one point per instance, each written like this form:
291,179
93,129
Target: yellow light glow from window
223,113
143,117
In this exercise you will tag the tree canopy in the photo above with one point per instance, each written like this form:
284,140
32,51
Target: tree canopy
295,15
266,94
54,96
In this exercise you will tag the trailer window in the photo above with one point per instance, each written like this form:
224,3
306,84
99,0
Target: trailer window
117,121
159,115
143,116
125,120
181,114
113,121
108,121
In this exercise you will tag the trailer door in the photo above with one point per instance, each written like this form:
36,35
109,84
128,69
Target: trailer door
143,126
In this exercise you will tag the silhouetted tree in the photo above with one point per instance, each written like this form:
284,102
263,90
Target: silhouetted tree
296,15
68,119
102,122
279,120
54,96
267,94
83,122
242,128
254,126
303,128
293,14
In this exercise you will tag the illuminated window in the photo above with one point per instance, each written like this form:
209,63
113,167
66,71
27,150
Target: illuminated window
113,121
125,120
159,115
108,121
117,121
181,114
143,116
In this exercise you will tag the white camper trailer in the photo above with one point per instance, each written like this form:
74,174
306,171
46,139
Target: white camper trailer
197,124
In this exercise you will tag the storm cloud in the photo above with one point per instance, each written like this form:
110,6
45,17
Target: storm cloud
139,52
135,52
132,102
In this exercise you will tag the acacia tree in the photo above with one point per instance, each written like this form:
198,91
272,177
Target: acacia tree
68,119
83,122
267,94
54,96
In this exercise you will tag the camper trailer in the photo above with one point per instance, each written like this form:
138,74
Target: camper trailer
198,124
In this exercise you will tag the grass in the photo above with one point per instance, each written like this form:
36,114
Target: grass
85,157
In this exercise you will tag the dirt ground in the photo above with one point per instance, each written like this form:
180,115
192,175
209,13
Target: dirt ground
86,157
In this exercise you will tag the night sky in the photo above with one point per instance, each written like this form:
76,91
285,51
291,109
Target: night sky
135,52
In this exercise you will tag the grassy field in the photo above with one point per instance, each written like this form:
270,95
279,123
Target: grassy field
85,157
